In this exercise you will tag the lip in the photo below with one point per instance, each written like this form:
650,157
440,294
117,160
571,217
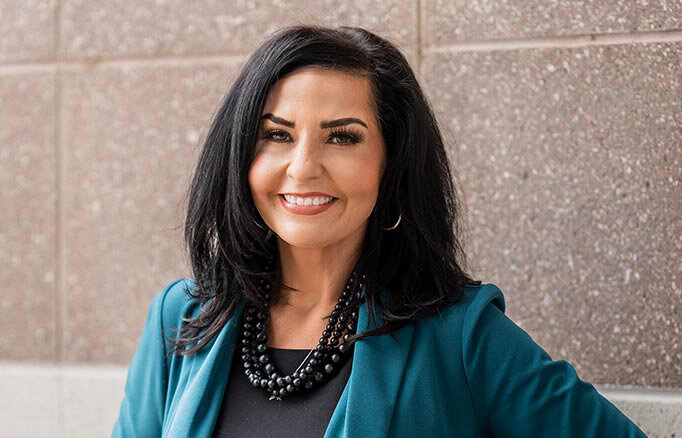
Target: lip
303,195
306,209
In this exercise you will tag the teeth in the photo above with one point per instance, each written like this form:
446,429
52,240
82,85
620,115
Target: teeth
316,200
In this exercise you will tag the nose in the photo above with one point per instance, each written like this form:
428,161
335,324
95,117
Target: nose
304,163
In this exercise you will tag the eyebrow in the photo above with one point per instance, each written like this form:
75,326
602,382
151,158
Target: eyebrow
323,124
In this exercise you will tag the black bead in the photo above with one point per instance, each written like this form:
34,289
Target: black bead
297,382
344,347
350,326
247,334
261,336
330,327
269,368
309,384
263,383
261,348
287,379
282,391
309,369
247,364
312,361
325,334
290,388
263,358
319,376
281,382
271,384
323,341
334,341
338,333
354,315
329,368
336,357
343,318
317,354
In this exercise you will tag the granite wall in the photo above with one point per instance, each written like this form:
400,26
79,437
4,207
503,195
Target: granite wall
563,121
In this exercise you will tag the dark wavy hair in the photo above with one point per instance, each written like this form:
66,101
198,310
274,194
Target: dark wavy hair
421,262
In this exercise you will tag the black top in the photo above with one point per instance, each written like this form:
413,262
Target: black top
246,411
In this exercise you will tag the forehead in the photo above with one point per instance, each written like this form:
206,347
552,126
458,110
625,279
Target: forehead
320,93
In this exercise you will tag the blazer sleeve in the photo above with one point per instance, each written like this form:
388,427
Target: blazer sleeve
517,389
142,409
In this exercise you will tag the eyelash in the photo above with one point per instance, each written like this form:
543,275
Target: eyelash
350,136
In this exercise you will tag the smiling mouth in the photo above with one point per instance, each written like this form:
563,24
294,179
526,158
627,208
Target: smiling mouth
283,197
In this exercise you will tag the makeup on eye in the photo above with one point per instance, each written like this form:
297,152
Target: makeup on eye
348,136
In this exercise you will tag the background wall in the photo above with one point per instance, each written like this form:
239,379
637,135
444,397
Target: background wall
564,122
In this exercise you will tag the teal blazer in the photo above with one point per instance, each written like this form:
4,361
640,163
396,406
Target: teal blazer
466,372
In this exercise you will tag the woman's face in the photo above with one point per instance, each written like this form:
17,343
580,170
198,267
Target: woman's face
318,138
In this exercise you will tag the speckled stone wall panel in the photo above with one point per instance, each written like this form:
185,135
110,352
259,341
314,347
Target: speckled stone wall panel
97,28
454,20
570,162
132,134
27,30
27,217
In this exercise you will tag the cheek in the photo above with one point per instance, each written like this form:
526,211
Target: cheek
361,178
258,177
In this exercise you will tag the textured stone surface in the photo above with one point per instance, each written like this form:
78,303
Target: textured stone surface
91,400
658,413
27,219
571,164
131,136
453,20
27,30
92,29
29,402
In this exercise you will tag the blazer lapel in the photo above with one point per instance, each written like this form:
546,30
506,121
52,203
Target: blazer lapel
366,405
200,403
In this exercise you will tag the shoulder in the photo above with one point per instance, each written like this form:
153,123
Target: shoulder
460,319
475,299
174,302
478,300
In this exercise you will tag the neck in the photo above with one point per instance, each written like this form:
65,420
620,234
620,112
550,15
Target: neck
319,274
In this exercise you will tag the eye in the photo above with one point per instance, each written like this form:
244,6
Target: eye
275,135
347,136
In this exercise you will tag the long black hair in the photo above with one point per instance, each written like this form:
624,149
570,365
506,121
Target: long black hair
421,261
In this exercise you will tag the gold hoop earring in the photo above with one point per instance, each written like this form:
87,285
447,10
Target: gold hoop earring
396,224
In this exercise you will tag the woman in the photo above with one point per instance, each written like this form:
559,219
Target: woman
328,295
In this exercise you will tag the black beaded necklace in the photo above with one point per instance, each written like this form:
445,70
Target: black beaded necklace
328,356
